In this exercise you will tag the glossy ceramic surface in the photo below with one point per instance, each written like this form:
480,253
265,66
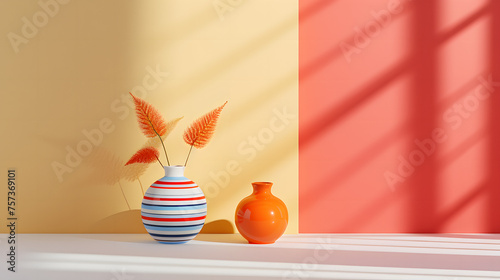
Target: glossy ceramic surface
261,217
174,208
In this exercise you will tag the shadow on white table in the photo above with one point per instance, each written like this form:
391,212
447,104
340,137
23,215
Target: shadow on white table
229,256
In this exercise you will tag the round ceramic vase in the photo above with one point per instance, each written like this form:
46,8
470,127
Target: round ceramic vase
173,208
261,217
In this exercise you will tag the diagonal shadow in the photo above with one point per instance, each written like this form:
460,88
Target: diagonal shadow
423,59
444,216
445,36
328,119
467,199
380,145
355,163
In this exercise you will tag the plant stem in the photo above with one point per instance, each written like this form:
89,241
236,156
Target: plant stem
141,186
185,164
158,161
124,196
163,145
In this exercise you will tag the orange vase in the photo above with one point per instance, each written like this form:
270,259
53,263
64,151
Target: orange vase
261,217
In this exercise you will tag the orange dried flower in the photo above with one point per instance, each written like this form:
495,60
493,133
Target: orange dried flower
144,155
199,133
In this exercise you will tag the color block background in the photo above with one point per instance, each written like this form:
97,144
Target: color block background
398,124
398,109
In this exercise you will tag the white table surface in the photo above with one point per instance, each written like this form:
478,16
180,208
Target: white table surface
228,256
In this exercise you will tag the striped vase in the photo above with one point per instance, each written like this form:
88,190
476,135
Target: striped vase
174,208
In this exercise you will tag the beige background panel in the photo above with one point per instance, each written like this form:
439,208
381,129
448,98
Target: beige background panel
68,124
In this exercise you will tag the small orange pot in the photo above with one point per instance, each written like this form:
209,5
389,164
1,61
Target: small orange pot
261,217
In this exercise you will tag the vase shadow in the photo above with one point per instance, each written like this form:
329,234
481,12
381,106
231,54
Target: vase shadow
127,221
219,231
217,227
221,238
130,222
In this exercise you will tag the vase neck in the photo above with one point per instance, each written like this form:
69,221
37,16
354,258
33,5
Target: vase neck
174,171
262,187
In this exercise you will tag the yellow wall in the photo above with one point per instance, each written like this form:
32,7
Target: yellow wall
70,75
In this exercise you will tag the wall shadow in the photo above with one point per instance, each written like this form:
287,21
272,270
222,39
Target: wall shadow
422,202
422,188
127,221
218,226
493,184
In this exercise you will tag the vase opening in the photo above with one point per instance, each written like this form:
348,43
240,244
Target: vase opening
262,187
174,171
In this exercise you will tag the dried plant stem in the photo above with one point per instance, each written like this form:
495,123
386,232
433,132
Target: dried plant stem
140,183
159,161
190,149
164,149
162,144
124,196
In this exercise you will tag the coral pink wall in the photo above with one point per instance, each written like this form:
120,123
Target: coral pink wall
399,117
